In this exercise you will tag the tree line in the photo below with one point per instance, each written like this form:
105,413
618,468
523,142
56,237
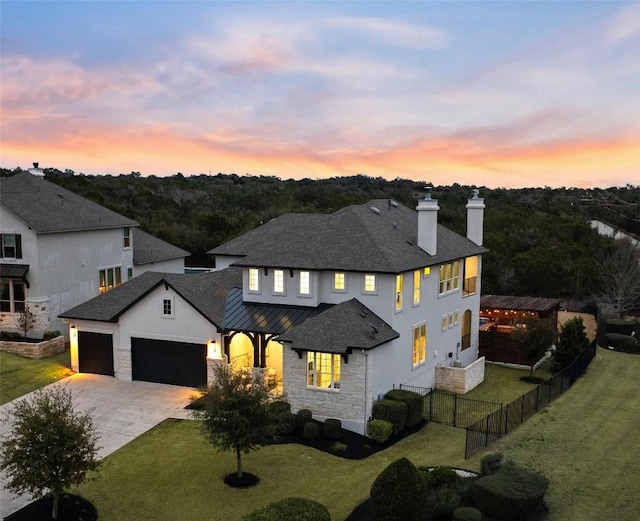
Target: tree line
539,240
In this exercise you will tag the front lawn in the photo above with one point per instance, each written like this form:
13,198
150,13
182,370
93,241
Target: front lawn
19,375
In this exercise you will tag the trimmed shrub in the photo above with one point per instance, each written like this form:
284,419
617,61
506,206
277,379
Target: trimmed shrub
379,430
393,411
311,431
414,403
490,463
621,326
48,335
398,493
441,502
338,447
511,493
290,508
618,341
440,477
466,514
303,416
280,406
286,419
332,429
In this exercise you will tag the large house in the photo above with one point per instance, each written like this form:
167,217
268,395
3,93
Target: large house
58,249
338,309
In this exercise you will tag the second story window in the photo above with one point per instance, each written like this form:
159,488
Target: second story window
369,283
449,277
11,245
126,238
254,280
399,285
278,281
470,285
339,281
304,287
416,287
109,278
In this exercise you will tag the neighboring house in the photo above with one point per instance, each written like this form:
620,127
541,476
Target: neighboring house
610,230
59,249
337,308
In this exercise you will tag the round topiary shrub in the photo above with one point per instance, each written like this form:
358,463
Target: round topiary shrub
398,493
393,411
511,493
303,416
466,514
289,509
332,429
379,430
311,431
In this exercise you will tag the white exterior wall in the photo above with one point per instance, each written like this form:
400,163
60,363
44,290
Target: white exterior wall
610,231
75,326
291,296
165,266
145,320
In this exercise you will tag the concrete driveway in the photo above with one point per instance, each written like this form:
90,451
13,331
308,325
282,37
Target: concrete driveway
120,410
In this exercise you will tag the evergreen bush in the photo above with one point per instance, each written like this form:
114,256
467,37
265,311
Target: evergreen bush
303,416
332,428
288,509
511,493
440,476
379,430
311,431
398,493
618,341
414,402
393,411
441,502
466,514
490,463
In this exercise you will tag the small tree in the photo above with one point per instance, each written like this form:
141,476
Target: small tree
534,340
26,320
572,342
236,412
50,446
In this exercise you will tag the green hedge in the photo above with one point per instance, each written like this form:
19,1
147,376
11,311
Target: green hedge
379,430
414,402
619,341
398,493
303,416
511,493
393,411
332,429
311,431
289,509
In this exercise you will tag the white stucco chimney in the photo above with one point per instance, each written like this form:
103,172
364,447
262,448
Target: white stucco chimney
36,170
428,223
475,218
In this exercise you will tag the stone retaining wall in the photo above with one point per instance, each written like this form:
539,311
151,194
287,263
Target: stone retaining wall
34,350
460,380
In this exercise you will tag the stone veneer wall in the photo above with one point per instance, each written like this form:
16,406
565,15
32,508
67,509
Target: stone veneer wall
124,370
35,350
40,310
460,380
346,403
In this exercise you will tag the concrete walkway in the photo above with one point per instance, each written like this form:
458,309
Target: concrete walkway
121,411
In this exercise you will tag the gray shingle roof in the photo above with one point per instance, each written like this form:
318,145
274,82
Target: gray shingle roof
345,326
49,208
519,303
206,292
148,249
352,239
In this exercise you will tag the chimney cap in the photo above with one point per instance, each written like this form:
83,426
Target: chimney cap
427,195
475,193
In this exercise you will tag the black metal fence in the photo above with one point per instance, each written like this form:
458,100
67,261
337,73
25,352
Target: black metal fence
503,420
451,409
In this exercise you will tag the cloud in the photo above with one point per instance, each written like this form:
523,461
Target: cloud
623,25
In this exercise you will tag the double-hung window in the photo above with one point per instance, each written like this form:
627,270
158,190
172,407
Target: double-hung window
339,281
304,284
369,283
323,370
449,277
126,238
11,245
419,344
416,287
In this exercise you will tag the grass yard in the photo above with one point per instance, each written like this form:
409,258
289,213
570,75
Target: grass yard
587,443
19,375
503,385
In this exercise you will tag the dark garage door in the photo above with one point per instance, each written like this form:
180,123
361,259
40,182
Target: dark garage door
167,362
95,353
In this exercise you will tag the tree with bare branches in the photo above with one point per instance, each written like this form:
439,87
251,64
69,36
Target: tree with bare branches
619,278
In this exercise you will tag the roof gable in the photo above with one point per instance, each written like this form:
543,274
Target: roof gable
148,249
49,208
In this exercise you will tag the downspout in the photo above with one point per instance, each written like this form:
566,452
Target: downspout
366,372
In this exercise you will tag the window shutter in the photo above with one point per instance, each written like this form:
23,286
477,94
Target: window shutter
18,246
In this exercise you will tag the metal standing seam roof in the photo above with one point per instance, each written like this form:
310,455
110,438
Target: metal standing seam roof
49,208
355,238
264,318
539,304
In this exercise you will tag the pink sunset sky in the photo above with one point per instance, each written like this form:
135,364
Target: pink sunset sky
505,94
